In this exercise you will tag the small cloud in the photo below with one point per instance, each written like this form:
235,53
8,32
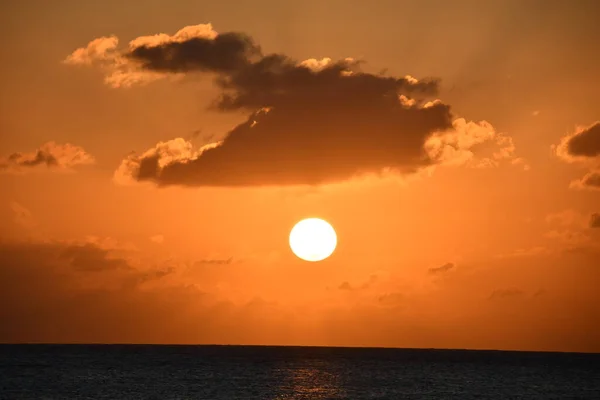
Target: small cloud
109,243
595,220
589,250
581,145
372,280
158,239
153,275
216,261
22,216
98,50
590,181
441,269
194,46
391,299
459,145
367,284
520,161
567,217
568,236
50,155
535,113
88,257
529,252
506,293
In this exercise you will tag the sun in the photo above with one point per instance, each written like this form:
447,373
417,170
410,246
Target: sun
313,239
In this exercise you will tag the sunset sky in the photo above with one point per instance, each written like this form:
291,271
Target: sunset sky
154,156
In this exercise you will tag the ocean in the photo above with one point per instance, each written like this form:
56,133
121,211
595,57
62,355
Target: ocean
257,372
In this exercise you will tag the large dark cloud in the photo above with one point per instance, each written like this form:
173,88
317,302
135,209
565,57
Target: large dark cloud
279,81
324,122
255,80
310,122
301,146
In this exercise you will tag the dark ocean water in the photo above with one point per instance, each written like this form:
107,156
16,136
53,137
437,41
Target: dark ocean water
247,372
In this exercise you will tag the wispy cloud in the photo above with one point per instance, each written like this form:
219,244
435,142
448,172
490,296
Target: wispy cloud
50,155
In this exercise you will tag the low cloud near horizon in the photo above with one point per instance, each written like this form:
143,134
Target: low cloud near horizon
93,292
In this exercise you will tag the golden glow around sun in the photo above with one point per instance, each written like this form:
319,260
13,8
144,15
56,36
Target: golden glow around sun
313,239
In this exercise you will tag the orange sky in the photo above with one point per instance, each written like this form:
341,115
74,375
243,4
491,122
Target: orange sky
154,156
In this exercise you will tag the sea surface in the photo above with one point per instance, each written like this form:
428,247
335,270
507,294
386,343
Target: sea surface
256,372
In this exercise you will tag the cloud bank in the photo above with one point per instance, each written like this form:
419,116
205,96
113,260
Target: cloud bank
73,292
310,122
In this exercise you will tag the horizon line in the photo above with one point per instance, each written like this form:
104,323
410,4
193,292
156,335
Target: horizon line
358,347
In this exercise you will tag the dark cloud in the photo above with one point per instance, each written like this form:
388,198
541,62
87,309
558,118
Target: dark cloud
155,274
590,181
392,299
50,155
40,157
304,145
307,125
216,261
443,268
20,160
253,80
45,296
61,292
583,146
365,285
279,81
60,257
595,220
227,52
89,257
504,293
586,143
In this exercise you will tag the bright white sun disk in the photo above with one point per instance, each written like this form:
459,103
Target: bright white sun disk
313,239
